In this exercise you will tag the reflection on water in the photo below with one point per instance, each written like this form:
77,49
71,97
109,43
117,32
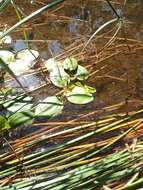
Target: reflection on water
55,47
29,82
117,78
18,45
73,21
116,73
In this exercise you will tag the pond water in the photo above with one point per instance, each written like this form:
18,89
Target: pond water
117,71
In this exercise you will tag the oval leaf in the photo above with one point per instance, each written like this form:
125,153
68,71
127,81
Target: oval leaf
28,56
70,64
49,107
59,77
79,95
50,64
19,67
18,104
6,56
21,118
82,73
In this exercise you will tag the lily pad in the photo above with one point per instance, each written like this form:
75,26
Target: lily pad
79,94
49,107
70,64
6,56
59,77
21,118
28,55
82,73
18,104
51,63
19,67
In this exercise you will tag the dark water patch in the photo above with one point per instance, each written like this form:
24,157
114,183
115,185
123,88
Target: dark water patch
121,79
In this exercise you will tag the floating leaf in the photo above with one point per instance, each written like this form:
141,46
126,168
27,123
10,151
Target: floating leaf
4,123
4,93
4,66
79,94
6,56
19,104
49,107
28,56
59,77
70,64
82,73
19,67
51,63
21,118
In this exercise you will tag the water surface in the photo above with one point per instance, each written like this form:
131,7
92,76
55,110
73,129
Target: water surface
118,78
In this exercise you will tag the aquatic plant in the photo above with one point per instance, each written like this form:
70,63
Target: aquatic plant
20,110
99,149
78,161
62,73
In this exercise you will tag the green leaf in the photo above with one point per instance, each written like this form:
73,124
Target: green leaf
51,63
25,60
28,55
58,76
3,123
4,66
19,104
70,64
21,118
82,73
7,56
49,107
19,67
79,94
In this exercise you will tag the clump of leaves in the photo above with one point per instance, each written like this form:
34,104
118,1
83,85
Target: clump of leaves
62,74
18,109
20,62
68,75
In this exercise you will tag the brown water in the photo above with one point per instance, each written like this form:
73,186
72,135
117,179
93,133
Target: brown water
117,72
118,78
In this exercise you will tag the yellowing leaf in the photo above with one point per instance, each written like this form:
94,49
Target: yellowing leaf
6,56
19,67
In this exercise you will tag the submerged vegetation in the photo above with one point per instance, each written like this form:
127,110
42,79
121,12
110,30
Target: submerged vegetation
56,130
